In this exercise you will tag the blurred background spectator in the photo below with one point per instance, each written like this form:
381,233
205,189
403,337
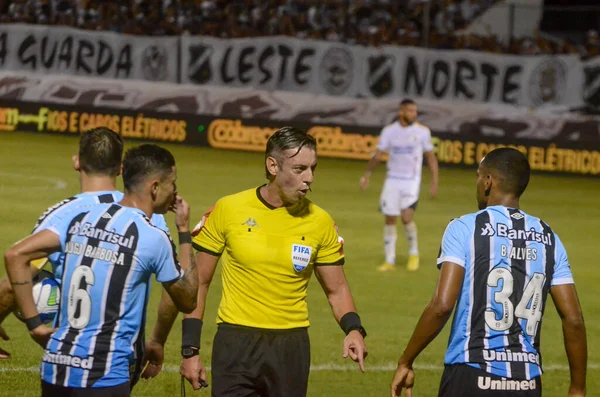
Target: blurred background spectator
436,23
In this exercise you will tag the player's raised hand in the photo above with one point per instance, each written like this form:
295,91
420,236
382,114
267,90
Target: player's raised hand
41,335
404,378
4,336
354,347
364,182
182,213
194,371
153,359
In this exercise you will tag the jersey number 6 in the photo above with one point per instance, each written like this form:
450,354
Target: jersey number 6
80,303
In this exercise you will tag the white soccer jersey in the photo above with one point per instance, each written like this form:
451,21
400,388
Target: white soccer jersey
405,146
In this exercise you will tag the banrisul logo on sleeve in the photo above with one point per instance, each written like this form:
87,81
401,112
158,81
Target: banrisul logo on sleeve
301,256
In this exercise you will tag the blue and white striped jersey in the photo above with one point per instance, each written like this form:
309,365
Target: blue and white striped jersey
82,199
511,260
110,254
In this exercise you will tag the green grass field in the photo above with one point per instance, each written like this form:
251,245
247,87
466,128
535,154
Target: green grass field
36,172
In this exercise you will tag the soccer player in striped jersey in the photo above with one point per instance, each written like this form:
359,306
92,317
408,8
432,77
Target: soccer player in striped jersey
499,264
98,163
111,251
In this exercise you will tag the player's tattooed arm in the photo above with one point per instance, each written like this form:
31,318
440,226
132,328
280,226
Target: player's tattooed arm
8,303
184,291
17,260
19,283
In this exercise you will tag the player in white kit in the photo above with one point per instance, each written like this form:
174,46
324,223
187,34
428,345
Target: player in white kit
405,141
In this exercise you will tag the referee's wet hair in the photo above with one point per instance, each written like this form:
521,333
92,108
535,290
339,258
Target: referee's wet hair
287,138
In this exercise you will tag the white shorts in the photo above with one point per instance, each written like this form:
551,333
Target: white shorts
398,195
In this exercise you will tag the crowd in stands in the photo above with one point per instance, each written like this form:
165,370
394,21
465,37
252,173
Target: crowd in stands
364,22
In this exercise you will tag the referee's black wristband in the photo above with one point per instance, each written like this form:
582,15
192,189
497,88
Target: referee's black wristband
191,331
33,322
350,322
185,238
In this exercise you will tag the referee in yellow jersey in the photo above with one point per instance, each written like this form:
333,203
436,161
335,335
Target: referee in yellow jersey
269,239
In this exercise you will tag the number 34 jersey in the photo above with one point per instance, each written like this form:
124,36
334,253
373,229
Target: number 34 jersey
511,260
111,253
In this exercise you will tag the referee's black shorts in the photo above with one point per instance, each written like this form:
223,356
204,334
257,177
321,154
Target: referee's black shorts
255,362
462,380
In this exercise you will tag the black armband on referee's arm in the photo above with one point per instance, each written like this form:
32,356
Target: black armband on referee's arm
33,322
191,329
185,238
351,322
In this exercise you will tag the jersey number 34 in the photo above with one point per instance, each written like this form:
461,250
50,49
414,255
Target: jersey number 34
529,307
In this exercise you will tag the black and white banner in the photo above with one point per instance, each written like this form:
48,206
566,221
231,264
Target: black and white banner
59,50
308,66
472,120
320,67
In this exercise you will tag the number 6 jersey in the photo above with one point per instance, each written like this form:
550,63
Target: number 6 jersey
511,260
110,254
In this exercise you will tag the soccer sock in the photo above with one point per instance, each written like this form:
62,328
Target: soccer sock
411,236
390,234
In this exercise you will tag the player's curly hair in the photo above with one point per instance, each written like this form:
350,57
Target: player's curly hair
284,139
101,151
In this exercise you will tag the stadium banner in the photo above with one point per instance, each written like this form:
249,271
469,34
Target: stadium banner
337,141
335,69
591,90
73,120
475,121
62,50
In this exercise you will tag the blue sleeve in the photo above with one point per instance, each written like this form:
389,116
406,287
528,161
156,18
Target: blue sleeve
455,244
160,222
59,225
562,268
164,258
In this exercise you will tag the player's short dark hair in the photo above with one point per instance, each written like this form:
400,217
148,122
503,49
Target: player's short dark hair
100,151
287,138
143,161
512,168
407,101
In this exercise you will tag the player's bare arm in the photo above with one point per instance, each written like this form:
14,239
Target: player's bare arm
432,164
432,321
567,304
371,165
17,260
8,304
336,288
183,291
192,367
7,297
154,355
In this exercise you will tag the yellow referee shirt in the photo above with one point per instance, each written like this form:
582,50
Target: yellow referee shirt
268,256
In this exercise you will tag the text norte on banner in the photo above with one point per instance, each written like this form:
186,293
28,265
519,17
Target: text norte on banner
66,121
331,141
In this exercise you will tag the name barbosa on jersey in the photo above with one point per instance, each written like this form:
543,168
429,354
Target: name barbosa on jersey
90,251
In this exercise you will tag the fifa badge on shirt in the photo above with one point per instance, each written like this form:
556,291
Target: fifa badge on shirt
301,256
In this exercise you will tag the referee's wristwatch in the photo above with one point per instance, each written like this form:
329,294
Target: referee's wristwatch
189,352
